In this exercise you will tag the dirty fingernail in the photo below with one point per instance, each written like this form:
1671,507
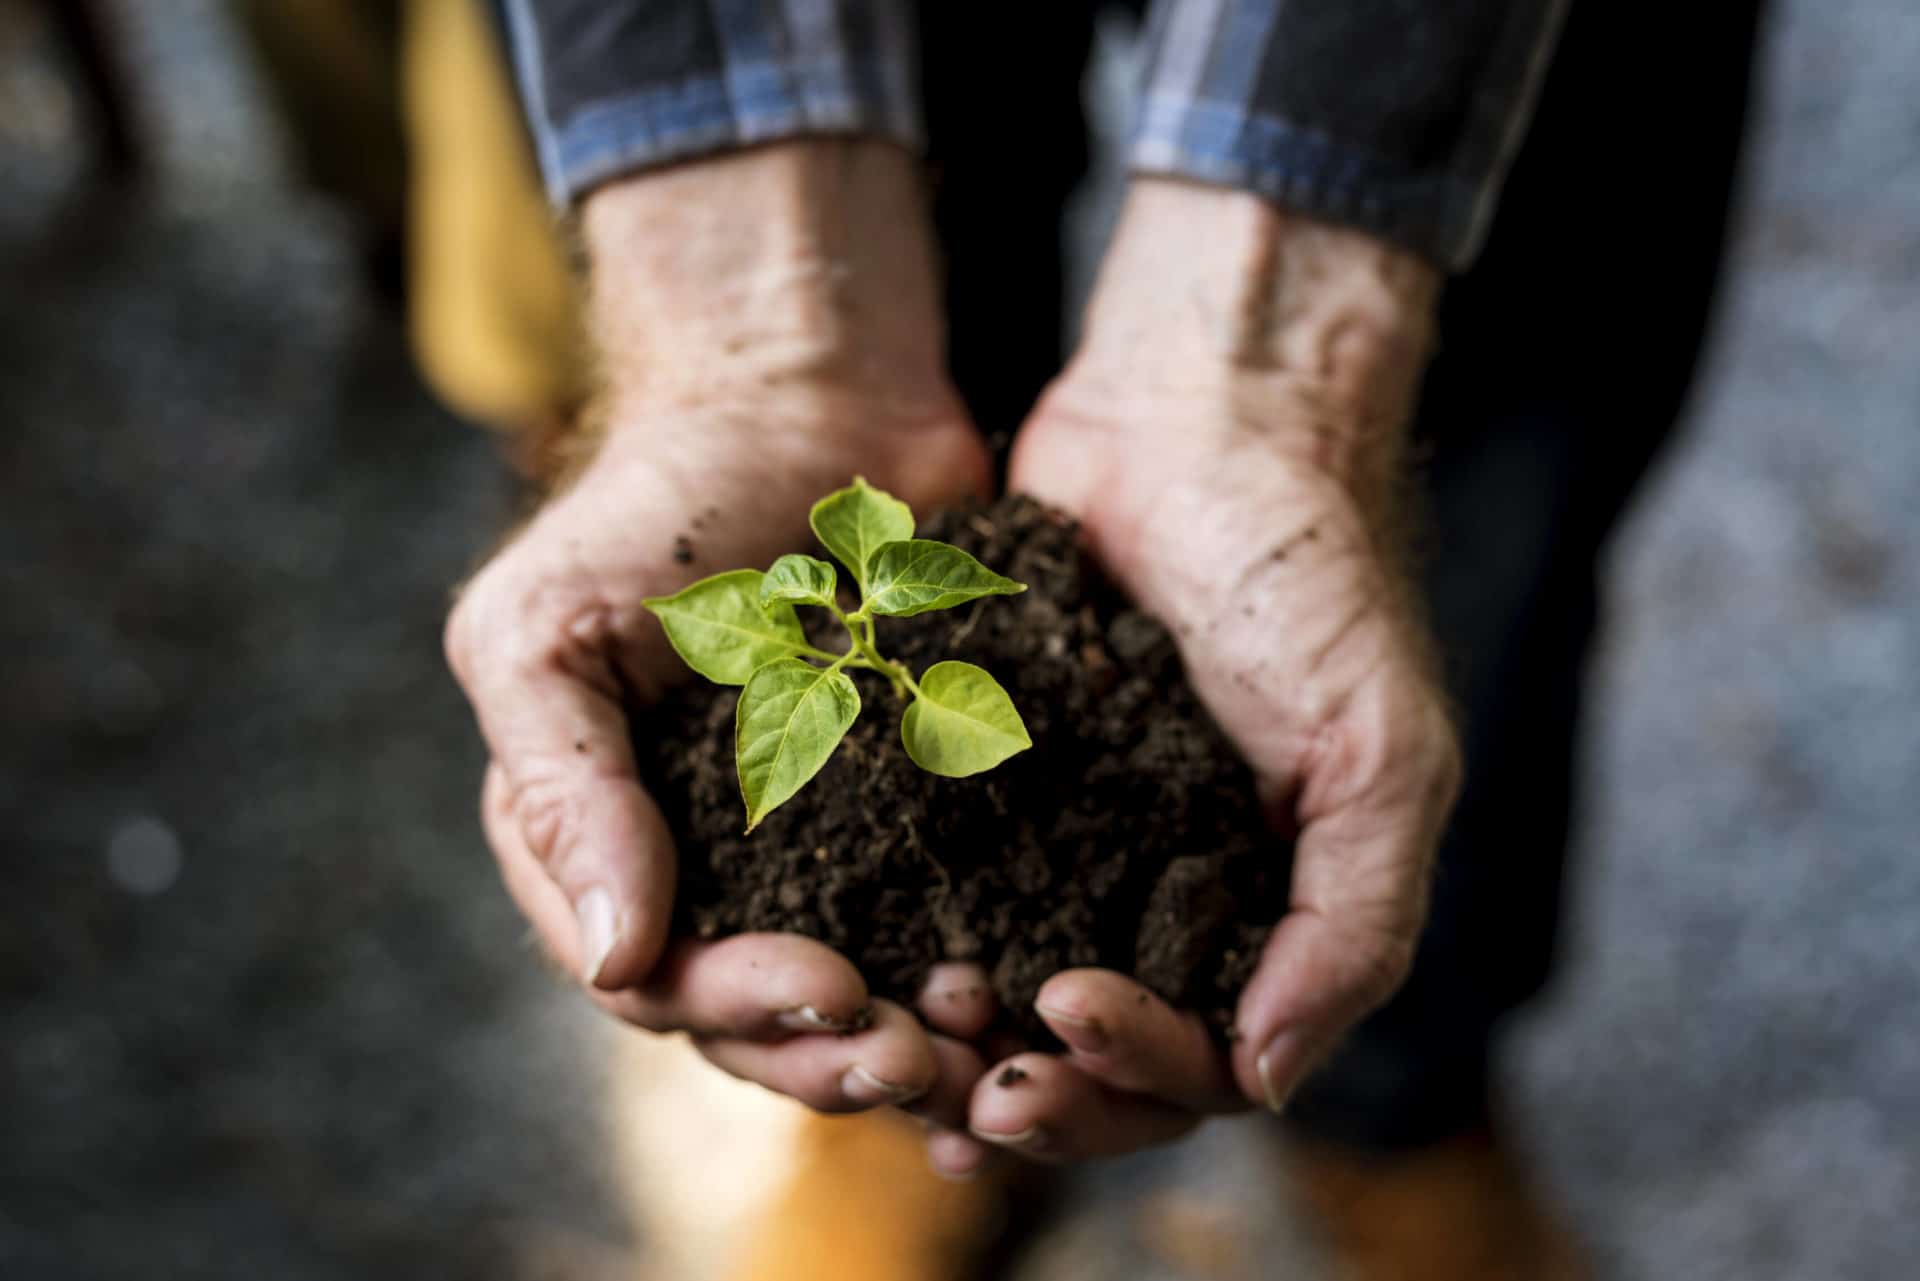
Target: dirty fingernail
864,1088
1082,1033
1279,1069
804,1018
599,931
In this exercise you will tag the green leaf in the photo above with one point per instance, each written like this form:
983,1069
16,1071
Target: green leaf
719,628
790,717
856,521
919,574
962,722
799,580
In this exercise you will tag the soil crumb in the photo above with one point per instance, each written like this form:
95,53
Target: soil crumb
1129,837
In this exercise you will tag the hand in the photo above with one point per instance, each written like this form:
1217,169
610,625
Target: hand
763,344
1227,437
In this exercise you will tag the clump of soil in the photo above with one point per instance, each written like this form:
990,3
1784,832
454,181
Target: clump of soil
1128,837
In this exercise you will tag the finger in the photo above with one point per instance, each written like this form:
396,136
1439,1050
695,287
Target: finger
957,999
761,986
889,1063
1043,1107
1123,1036
1371,809
957,1156
951,1151
756,986
958,1067
1315,980
549,706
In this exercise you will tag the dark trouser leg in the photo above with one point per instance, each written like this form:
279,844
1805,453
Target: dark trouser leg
1566,356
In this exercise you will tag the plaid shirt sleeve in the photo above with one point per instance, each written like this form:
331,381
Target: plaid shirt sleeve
1399,117
615,86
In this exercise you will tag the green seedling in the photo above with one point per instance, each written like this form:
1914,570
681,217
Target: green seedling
740,628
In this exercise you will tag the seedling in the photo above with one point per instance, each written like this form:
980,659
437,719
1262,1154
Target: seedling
740,628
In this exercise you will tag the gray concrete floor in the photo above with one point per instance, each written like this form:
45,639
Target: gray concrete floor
264,1012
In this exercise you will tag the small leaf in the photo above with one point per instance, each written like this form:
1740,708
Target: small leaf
962,723
857,521
790,717
799,580
918,575
719,628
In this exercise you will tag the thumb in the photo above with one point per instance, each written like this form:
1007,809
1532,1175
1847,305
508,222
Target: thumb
563,774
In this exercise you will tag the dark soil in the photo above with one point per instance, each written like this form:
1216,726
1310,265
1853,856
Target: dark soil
1128,837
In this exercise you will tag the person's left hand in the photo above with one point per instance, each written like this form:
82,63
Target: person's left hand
1241,493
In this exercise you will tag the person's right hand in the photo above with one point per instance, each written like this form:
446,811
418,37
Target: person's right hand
753,370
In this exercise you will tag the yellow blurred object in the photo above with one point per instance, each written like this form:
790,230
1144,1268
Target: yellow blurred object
495,315
861,1204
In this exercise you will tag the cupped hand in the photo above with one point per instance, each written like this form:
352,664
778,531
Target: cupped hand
1239,481
552,647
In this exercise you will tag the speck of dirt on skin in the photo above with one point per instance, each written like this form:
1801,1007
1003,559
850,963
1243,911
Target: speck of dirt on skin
1010,1076
1310,534
579,744
683,550
1141,999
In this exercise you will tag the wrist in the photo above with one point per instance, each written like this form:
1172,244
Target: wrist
1313,335
806,263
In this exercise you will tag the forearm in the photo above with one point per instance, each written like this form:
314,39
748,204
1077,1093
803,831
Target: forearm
806,261
1315,334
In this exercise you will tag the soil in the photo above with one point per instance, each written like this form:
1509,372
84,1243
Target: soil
1128,837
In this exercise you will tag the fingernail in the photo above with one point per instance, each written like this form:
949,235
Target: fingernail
1082,1033
1279,1074
804,1018
599,930
967,1169
864,1088
1031,1139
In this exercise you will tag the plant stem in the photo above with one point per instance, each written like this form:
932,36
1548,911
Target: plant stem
860,633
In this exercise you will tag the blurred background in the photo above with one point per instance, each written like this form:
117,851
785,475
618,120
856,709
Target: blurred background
264,1010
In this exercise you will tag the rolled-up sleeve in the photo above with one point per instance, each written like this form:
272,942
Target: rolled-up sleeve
615,86
1399,117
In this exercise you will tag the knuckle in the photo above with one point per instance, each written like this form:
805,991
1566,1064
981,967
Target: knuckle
519,623
549,814
456,638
